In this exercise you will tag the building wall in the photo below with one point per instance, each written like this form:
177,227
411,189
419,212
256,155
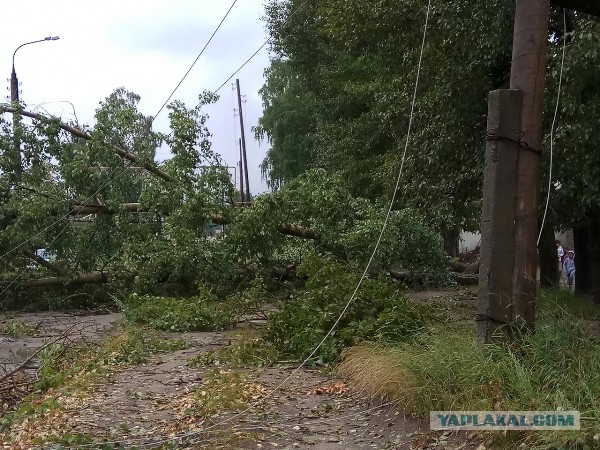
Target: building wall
566,239
468,241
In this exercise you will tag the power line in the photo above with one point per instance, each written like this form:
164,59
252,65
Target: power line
197,58
260,48
242,66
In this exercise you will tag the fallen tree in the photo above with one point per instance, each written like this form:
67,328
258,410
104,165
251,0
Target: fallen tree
82,278
154,229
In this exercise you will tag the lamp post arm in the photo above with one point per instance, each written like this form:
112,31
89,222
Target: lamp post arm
47,38
22,45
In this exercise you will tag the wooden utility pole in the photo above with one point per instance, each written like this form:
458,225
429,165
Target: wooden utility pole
532,19
239,96
241,174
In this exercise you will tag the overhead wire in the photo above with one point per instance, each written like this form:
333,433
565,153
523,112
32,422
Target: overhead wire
285,22
553,127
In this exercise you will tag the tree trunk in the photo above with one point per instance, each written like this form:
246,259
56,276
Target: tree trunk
549,273
83,278
532,18
451,242
587,260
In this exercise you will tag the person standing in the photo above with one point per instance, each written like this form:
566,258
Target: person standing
569,266
561,253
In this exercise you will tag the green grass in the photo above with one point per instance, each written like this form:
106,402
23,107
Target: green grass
75,366
555,300
16,328
253,352
557,367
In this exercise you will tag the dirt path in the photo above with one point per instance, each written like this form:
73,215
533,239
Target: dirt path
46,326
199,407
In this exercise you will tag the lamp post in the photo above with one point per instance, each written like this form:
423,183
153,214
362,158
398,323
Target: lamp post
14,98
14,81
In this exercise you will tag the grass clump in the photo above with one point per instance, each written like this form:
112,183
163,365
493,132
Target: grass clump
255,352
199,313
220,390
558,301
378,313
16,328
558,367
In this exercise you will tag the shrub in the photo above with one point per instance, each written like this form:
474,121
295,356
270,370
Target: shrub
379,312
199,313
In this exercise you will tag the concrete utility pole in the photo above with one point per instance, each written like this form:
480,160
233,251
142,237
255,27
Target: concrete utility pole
239,96
241,174
498,215
532,20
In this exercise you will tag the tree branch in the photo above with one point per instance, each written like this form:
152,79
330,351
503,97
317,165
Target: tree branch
47,264
83,135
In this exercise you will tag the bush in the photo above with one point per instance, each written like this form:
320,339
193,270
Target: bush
379,312
199,313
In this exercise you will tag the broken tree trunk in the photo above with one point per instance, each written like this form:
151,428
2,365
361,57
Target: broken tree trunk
47,264
83,278
285,228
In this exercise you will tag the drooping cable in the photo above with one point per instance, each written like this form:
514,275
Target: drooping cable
552,128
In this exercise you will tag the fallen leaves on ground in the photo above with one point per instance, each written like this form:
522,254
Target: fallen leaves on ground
333,388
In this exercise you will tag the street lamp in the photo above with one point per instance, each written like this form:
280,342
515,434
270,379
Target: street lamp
14,98
14,82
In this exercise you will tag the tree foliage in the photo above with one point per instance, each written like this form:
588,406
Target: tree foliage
338,94
61,171
575,191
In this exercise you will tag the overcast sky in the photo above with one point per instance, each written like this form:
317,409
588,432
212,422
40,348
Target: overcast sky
145,47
